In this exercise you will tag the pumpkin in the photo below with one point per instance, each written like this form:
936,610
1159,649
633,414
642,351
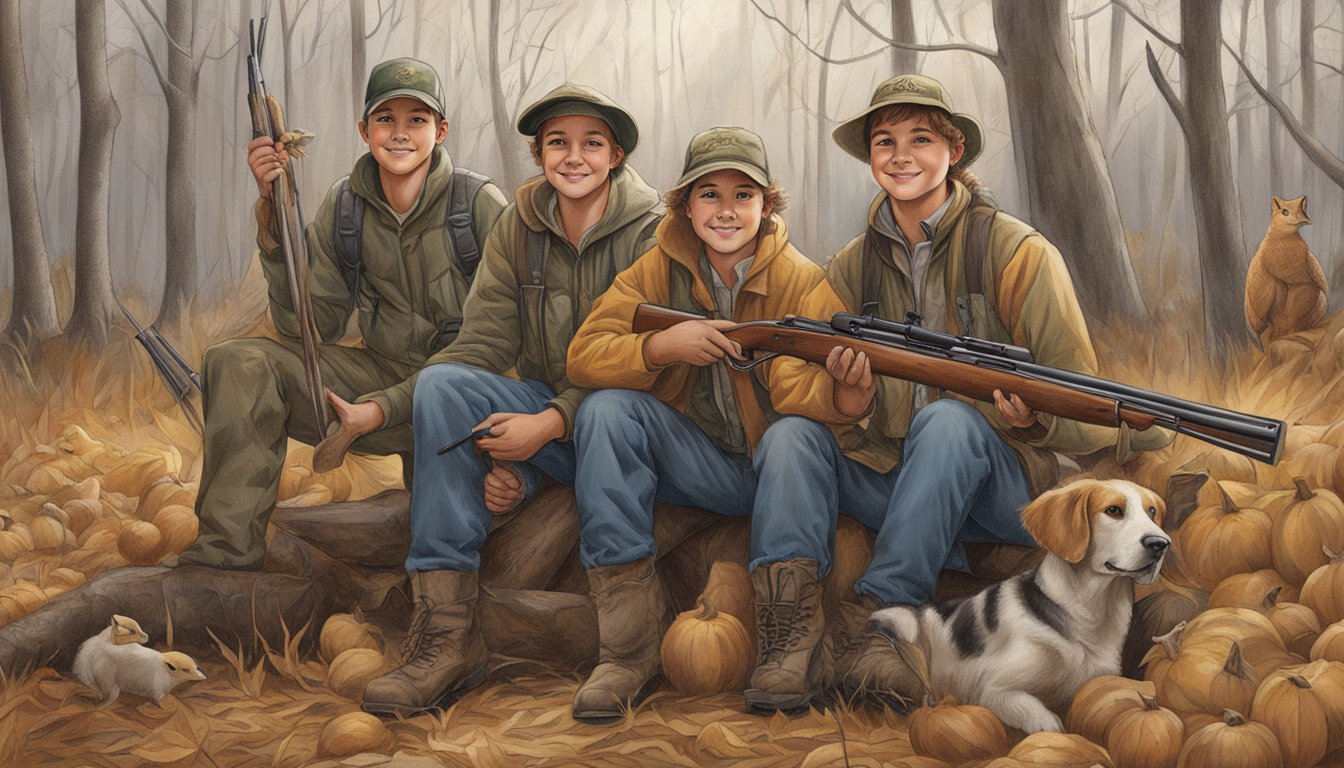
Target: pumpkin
66,578
1314,463
1327,681
1148,736
165,491
1220,540
1323,591
1060,749
706,651
351,734
1100,700
1297,624
139,542
1287,704
47,530
19,600
1260,642
343,631
1248,590
1203,680
179,526
1157,663
15,538
353,669
1234,743
292,481
1314,518
1330,645
81,513
89,490
138,471
957,733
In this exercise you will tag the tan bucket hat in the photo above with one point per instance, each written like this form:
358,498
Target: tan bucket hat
571,99
852,137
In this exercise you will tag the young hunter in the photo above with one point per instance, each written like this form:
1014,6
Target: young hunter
927,470
682,427
554,251
400,267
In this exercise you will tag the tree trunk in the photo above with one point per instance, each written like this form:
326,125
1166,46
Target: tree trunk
504,133
98,117
1071,198
357,66
1273,80
1307,49
33,313
1222,254
179,283
903,31
1114,70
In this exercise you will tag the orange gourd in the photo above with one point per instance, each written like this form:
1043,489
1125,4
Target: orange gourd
1287,704
1203,680
1224,539
1330,645
1324,590
1061,749
1246,590
706,651
1297,624
957,733
1234,743
1313,519
1100,700
1149,736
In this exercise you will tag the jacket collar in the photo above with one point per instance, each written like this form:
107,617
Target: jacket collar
678,240
365,183
960,201
630,198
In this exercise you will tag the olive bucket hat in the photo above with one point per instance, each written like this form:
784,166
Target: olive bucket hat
852,137
571,99
403,77
721,149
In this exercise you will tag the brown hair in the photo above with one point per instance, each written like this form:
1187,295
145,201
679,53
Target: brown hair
535,146
676,201
938,121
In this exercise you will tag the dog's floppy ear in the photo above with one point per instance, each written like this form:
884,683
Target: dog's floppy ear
1060,520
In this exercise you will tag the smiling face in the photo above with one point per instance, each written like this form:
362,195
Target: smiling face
910,160
726,209
401,134
577,154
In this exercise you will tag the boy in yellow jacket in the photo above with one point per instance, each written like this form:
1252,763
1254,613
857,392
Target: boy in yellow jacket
680,426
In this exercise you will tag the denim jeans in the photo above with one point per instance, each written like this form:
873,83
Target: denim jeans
634,450
958,482
449,520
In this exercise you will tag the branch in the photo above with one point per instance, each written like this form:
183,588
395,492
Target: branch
163,28
382,14
1329,66
312,47
1323,158
525,79
809,48
992,55
1091,13
1159,79
1172,44
149,52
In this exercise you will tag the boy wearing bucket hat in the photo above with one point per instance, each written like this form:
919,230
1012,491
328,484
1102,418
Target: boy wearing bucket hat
928,470
679,426
554,251
402,270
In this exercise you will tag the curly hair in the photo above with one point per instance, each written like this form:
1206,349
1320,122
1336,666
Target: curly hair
938,121
676,201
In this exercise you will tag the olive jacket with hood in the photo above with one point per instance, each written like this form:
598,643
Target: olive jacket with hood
780,281
412,291
512,325
1028,300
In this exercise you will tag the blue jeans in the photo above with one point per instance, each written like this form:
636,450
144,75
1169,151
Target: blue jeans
633,450
958,482
449,520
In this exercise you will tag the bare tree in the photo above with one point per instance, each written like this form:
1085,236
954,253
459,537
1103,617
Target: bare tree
525,52
1307,55
1273,72
1315,149
94,305
33,314
1202,116
903,29
1114,66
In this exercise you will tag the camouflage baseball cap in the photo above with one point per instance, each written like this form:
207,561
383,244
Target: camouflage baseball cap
571,99
719,149
403,77
852,137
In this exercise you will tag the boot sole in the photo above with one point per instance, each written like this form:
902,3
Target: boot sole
762,701
442,702
607,717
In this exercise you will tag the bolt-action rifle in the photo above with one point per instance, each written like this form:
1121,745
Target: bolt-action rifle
268,120
976,367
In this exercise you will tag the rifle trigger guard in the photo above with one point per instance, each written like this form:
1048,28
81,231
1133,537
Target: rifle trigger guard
755,361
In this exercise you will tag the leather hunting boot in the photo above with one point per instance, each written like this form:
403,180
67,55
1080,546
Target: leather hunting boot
872,665
444,655
631,617
789,628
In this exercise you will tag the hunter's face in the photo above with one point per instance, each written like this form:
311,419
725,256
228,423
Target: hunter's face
578,153
911,161
401,134
726,209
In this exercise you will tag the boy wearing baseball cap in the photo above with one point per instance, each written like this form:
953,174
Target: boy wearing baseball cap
555,250
381,247
679,425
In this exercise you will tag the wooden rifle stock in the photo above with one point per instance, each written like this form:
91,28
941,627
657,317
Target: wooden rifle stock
976,367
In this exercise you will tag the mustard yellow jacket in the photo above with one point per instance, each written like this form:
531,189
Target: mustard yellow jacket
606,352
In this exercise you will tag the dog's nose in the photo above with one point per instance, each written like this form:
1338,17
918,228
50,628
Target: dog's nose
1156,545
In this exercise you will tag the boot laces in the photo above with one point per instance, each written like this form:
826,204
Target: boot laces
421,648
782,622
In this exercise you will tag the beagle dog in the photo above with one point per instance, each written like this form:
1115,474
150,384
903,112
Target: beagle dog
1021,648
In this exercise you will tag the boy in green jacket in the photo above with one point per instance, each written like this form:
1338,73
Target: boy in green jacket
407,294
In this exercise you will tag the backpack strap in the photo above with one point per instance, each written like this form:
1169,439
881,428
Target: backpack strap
349,223
980,219
458,221
870,276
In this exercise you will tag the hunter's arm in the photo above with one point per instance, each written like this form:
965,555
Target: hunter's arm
606,352
326,284
806,389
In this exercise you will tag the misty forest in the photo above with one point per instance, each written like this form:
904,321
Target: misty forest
1146,139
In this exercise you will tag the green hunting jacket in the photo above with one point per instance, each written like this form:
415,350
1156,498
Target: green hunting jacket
1027,300
511,325
412,292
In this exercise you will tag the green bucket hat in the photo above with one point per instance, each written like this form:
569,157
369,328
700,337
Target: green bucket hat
719,149
571,99
852,137
403,77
